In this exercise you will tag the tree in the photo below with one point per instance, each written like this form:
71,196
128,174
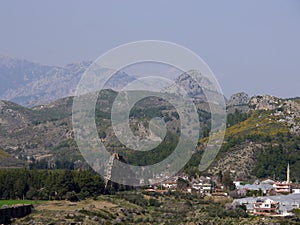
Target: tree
227,181
154,202
21,187
65,183
220,176
182,184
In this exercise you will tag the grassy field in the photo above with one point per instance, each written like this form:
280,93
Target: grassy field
133,207
14,202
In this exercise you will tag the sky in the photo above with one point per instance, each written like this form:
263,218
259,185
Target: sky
251,46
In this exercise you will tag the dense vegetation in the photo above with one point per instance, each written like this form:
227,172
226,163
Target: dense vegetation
141,158
272,160
48,185
236,117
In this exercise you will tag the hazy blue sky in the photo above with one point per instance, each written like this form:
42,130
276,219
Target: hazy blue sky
251,46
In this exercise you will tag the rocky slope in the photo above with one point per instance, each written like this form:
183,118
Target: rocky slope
45,132
272,123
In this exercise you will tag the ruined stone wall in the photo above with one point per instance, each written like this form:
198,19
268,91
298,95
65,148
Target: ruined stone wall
17,211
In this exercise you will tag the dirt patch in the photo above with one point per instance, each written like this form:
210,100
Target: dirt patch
72,206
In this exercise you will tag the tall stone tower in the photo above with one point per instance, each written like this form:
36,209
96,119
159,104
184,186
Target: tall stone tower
288,173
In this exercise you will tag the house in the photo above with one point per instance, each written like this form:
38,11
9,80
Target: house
266,207
282,187
285,186
264,187
237,183
170,184
202,185
296,190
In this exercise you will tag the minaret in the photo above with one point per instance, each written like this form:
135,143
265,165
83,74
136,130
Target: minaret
288,173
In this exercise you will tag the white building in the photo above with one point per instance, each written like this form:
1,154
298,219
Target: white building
266,207
286,203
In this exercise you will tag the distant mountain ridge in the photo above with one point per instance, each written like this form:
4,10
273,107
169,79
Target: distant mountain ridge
16,72
31,84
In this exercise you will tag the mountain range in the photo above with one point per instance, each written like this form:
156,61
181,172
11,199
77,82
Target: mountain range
30,84
262,136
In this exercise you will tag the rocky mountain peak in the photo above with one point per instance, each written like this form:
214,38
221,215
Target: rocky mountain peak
264,102
194,83
238,99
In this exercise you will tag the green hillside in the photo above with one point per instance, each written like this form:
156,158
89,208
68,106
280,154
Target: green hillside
42,137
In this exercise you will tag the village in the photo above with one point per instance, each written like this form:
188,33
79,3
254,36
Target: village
262,197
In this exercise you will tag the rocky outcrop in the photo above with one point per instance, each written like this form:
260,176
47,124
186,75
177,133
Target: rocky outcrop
193,82
238,99
289,113
264,102
198,87
285,110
